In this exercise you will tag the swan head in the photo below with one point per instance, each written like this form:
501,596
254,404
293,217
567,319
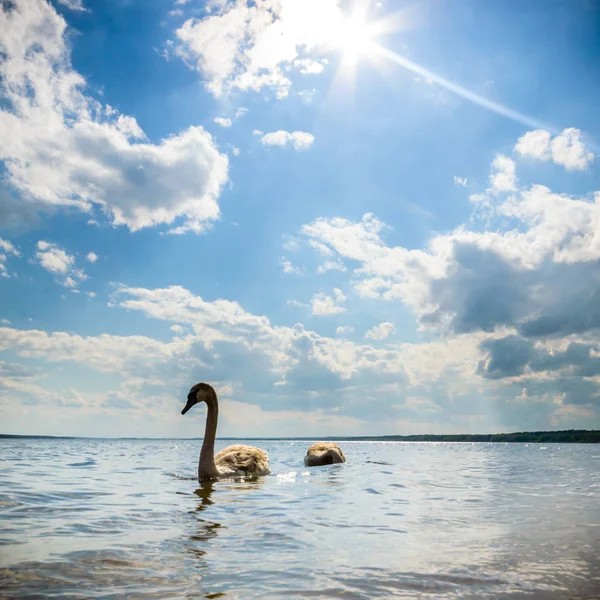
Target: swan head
200,392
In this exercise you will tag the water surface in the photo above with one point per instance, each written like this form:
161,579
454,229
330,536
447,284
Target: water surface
126,518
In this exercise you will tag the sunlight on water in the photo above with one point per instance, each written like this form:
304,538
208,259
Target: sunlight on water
127,518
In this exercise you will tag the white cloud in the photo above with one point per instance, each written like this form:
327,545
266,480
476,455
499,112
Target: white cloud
460,181
380,332
356,241
535,144
320,248
236,151
296,303
73,4
6,246
105,353
291,244
92,257
299,139
503,176
308,66
62,148
328,305
223,122
248,45
566,149
343,330
289,268
534,270
307,96
6,249
223,326
240,112
273,369
331,265
56,261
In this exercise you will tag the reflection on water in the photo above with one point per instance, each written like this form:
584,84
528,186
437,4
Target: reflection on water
204,492
127,518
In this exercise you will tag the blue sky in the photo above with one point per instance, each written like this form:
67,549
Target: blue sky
350,218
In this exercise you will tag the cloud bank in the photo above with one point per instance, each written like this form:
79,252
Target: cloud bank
62,148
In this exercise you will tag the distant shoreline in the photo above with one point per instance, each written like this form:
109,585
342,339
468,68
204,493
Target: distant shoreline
567,436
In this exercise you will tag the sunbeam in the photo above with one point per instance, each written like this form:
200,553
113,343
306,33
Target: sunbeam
461,91
355,36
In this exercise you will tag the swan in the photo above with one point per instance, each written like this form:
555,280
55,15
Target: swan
233,461
323,453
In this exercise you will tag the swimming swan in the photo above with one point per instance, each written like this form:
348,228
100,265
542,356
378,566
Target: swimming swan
233,461
323,453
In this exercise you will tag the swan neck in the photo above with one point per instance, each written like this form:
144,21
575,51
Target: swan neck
206,466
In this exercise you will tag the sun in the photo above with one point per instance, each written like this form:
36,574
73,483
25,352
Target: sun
354,37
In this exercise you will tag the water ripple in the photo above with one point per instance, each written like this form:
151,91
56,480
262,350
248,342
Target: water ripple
128,518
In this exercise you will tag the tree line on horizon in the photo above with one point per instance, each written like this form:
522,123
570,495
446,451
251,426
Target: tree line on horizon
573,436
568,436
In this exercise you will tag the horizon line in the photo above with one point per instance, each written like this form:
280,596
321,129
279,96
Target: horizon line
297,438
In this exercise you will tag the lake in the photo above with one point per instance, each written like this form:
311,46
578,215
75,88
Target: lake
126,518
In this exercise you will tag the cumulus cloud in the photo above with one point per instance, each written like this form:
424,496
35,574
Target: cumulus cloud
278,371
240,112
380,332
300,140
54,259
62,148
344,329
6,246
331,265
92,257
6,250
104,353
249,46
563,376
527,279
513,356
538,277
308,66
223,122
73,4
285,354
535,144
503,178
328,305
460,181
58,262
566,149
296,303
289,268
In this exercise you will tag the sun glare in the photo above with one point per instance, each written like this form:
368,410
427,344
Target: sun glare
354,37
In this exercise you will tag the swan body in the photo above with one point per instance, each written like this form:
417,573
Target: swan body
242,461
234,461
324,453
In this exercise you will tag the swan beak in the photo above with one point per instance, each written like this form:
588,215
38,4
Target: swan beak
190,403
